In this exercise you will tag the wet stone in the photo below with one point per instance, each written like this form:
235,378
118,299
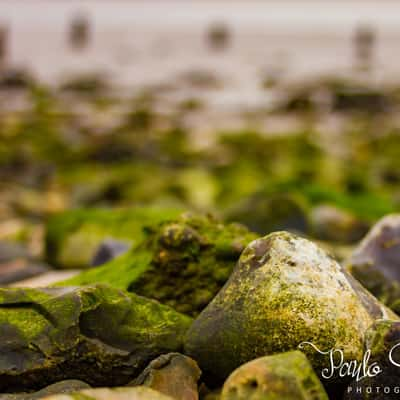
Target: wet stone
286,376
173,374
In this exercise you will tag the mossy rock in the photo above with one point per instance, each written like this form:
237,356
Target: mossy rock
97,334
284,291
286,376
173,374
182,263
375,262
72,237
138,393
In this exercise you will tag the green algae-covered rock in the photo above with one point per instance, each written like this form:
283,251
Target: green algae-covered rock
182,263
72,237
284,291
286,376
97,334
137,393
173,374
376,261
67,386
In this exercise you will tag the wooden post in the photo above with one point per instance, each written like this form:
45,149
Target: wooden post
79,34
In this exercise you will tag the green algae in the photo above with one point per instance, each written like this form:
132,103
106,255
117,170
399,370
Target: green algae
95,333
182,263
73,236
286,376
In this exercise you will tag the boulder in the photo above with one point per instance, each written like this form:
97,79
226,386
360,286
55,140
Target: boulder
97,334
284,291
182,263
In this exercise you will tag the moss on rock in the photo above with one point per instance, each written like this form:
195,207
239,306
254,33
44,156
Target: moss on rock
286,376
182,263
97,334
284,291
72,237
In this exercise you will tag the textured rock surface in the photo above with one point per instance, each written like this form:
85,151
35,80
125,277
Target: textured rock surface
98,334
286,376
63,387
138,393
376,261
173,374
284,290
182,263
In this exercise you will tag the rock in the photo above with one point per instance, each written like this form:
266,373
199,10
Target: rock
333,224
137,393
382,340
67,386
264,213
18,269
46,279
182,263
284,291
16,263
72,237
375,262
173,374
10,251
287,376
108,250
97,334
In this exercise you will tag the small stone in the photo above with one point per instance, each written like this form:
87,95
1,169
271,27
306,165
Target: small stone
63,387
173,374
137,393
284,291
108,250
286,376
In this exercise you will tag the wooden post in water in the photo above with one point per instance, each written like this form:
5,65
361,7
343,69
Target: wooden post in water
219,36
364,42
3,45
79,33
